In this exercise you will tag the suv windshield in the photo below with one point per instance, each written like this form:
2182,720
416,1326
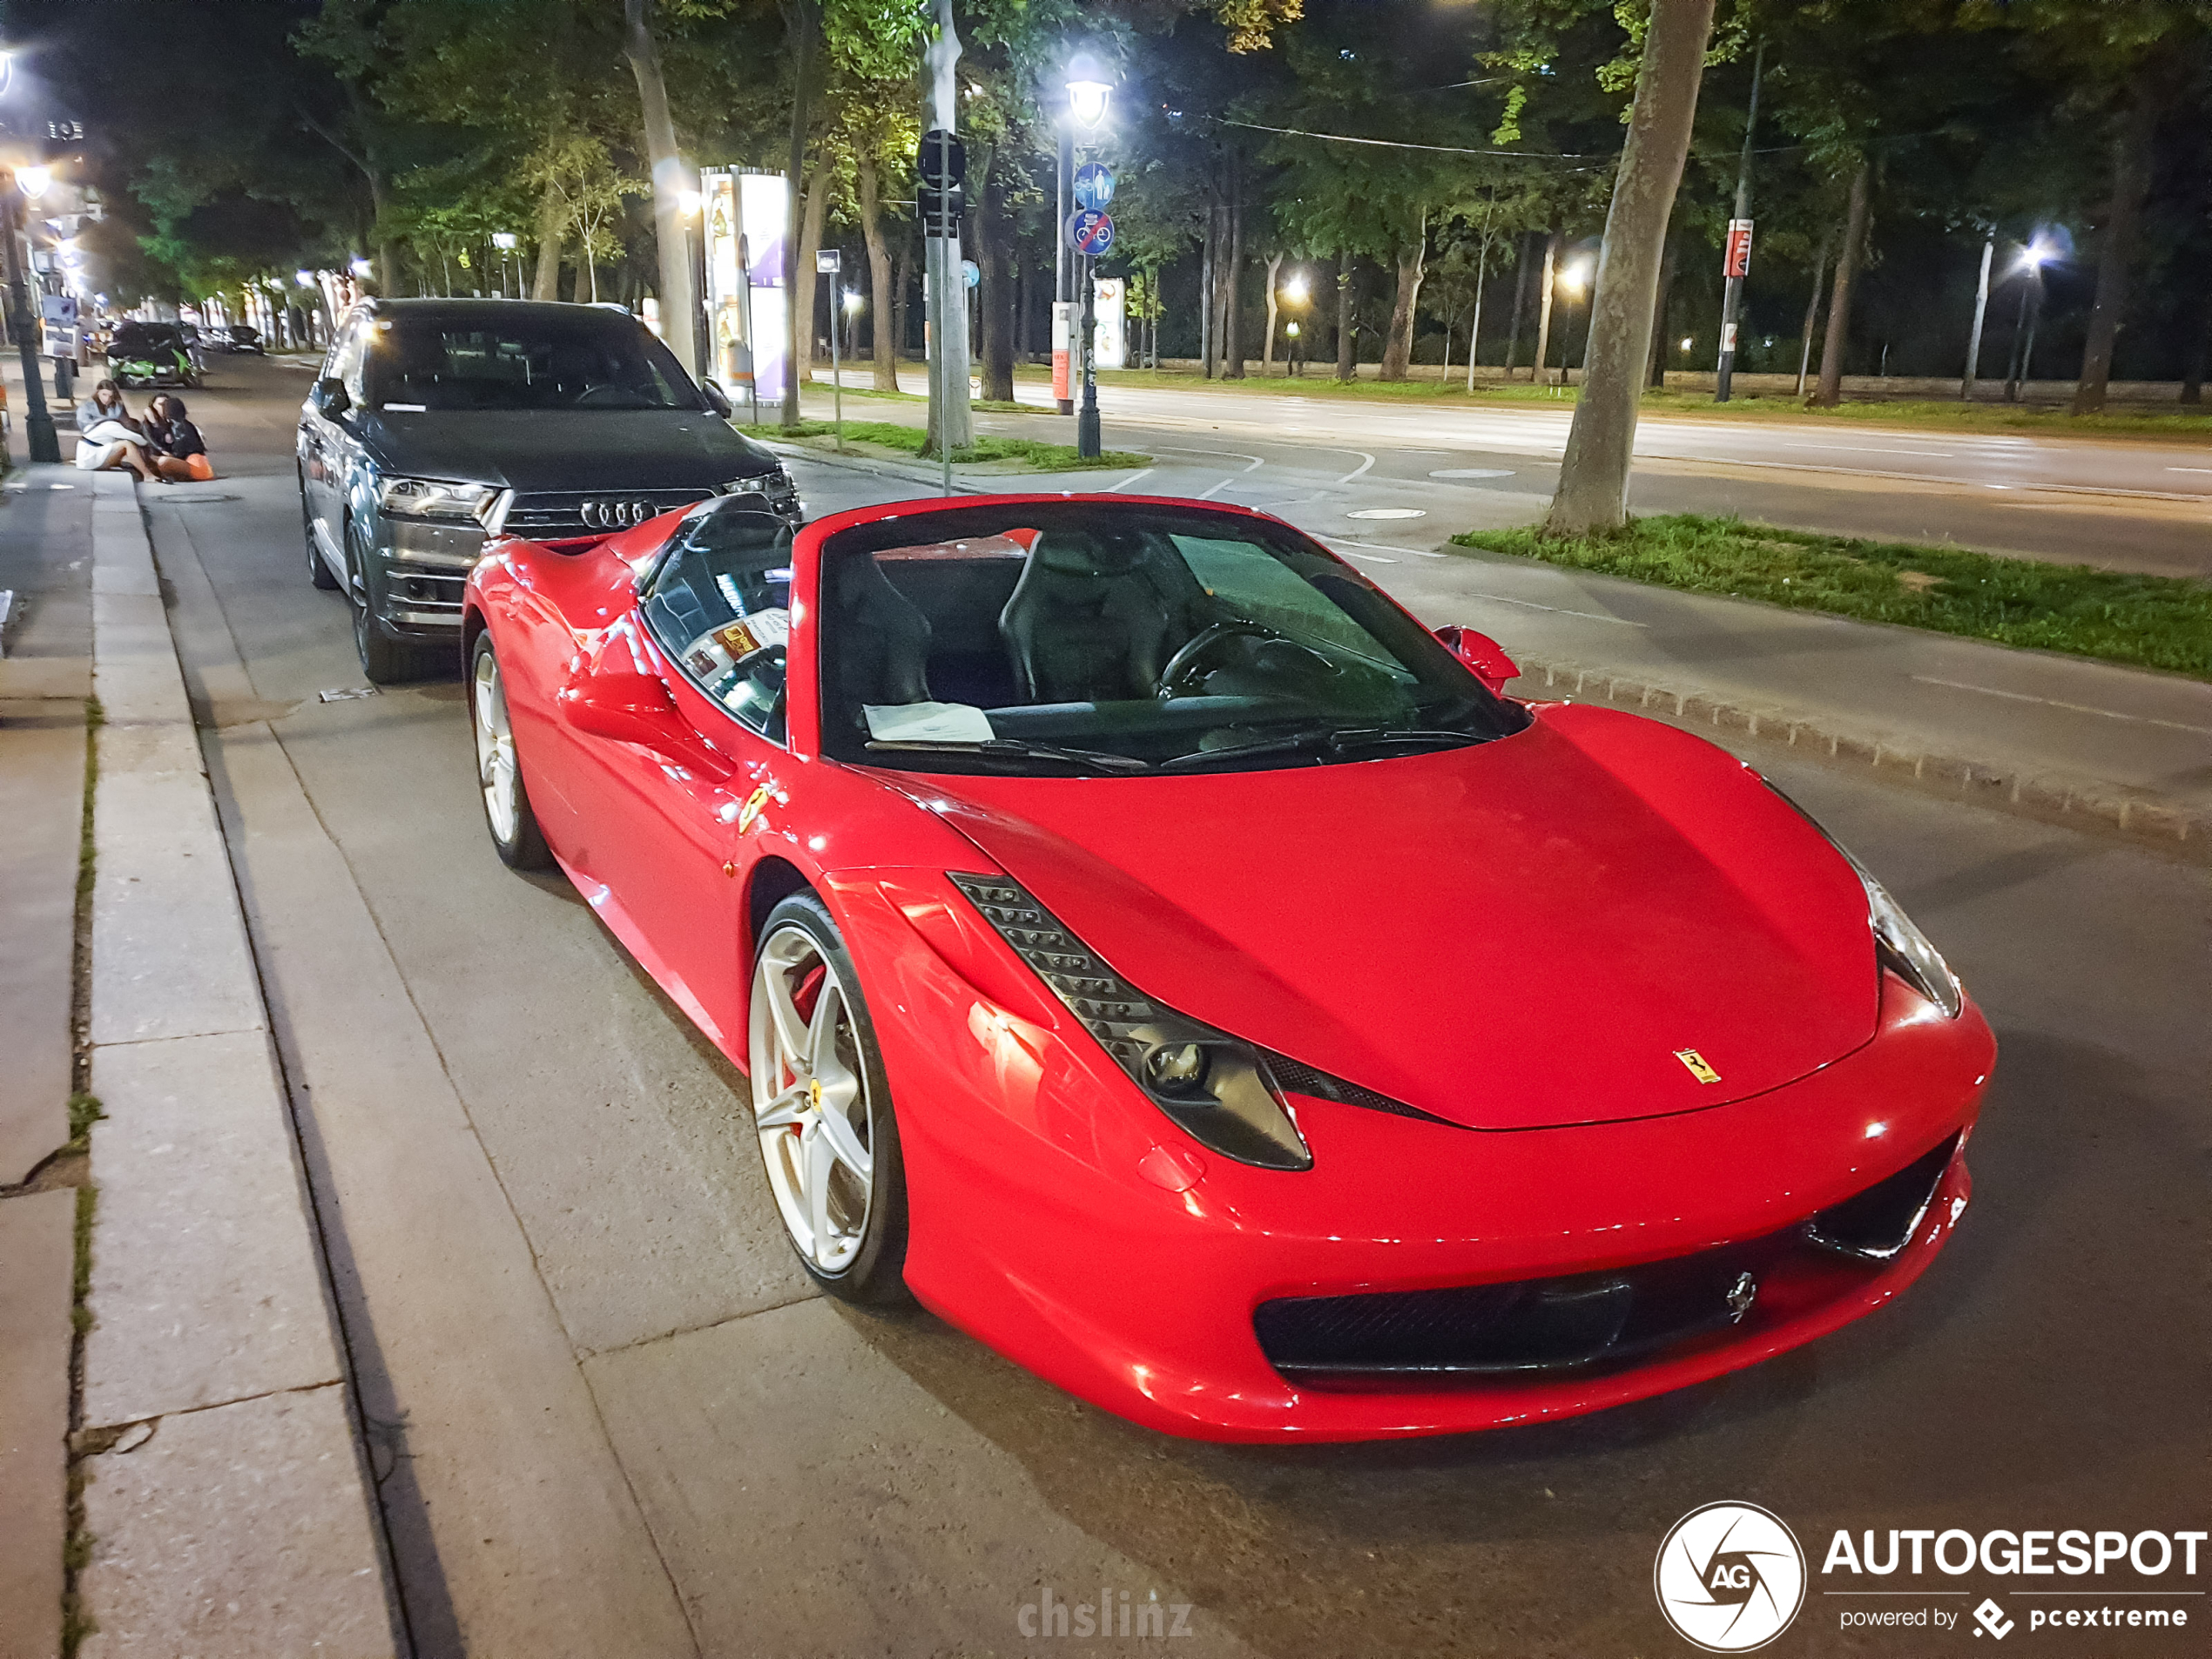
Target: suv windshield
1060,637
590,361
144,338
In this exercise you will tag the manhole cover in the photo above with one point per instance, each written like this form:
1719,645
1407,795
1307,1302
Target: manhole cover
1472,472
1388,512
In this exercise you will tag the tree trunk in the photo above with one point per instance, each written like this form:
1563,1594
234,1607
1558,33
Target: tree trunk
1546,283
1206,278
2131,165
2199,349
1813,308
552,225
1655,372
1520,300
679,299
901,299
883,350
1347,360
1232,323
1398,350
803,31
993,234
1830,389
1593,492
804,290
1267,350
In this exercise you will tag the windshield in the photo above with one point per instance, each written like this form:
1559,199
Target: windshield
139,339
1060,637
591,362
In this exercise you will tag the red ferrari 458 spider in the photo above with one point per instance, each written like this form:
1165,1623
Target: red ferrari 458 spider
1172,964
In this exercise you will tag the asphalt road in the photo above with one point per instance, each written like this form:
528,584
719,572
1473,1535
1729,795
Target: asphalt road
609,1417
2129,504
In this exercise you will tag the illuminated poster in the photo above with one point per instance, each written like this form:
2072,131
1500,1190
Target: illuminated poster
1110,344
763,209
728,358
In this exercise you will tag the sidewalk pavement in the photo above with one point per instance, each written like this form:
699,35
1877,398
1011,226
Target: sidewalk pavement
224,1481
2031,731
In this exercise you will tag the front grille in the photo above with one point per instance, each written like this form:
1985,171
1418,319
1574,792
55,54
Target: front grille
552,515
1489,1330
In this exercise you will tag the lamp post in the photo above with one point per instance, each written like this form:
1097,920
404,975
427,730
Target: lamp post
1294,294
1088,93
505,241
38,424
2032,257
1573,281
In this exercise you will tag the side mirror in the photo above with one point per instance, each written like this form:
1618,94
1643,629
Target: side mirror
1485,659
329,398
717,399
625,706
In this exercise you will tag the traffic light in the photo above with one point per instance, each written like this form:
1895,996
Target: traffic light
941,168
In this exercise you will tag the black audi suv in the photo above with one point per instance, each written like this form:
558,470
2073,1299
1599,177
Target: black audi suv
435,424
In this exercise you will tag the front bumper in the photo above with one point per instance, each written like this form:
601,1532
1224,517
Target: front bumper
1041,1223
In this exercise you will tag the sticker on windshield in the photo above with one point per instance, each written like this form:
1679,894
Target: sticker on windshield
928,722
763,630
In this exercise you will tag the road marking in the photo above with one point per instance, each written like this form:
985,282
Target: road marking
1340,541
1133,477
1389,512
1862,448
2189,469
1365,462
1368,558
2072,708
1472,472
1560,610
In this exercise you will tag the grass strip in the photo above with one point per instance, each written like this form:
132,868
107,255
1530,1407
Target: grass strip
1031,452
2179,425
2142,621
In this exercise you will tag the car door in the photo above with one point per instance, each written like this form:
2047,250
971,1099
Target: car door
684,783
322,446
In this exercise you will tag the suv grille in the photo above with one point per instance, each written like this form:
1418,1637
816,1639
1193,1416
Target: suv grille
550,514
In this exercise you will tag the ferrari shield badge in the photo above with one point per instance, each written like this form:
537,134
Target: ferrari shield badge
1697,1065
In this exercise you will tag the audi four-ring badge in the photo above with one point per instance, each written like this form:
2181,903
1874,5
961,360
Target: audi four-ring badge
437,426
1150,948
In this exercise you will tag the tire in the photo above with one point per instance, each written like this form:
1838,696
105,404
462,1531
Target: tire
859,1256
508,815
318,567
385,660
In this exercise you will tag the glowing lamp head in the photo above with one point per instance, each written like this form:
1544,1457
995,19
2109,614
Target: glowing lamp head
1293,330
34,181
688,202
1687,342
1295,291
851,299
2037,254
503,240
1088,90
1577,276
305,278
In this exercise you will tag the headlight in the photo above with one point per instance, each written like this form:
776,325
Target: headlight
434,498
775,484
1214,1086
1900,945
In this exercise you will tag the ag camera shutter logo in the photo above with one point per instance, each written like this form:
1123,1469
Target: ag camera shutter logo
1730,1577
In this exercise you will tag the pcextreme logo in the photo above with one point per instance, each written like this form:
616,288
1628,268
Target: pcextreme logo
1730,1577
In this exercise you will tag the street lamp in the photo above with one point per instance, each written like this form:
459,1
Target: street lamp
505,242
2034,258
1573,281
1088,93
35,181
1295,294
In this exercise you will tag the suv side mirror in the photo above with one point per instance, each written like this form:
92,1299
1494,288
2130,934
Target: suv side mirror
329,398
717,399
1485,659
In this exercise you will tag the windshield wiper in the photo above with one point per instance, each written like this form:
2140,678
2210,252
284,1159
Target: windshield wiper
1014,749
1336,741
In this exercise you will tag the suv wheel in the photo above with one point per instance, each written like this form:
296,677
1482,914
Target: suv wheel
318,567
385,660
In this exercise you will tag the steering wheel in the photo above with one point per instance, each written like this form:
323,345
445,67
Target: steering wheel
605,394
1178,669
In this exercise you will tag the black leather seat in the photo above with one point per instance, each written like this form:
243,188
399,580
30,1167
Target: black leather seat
882,640
1092,619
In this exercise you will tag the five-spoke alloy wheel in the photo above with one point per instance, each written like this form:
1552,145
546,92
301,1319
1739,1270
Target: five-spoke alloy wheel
507,802
823,1109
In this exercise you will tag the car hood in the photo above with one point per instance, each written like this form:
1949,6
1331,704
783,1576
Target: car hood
566,449
1514,936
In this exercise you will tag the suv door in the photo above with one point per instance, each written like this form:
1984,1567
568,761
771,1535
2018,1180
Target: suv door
325,444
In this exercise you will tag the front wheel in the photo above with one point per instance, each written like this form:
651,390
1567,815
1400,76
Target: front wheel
515,834
385,660
821,1106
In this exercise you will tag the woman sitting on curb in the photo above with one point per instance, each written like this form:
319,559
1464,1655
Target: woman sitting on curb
180,453
108,437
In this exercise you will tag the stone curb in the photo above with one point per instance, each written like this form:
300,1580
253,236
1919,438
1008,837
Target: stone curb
2051,797
225,1485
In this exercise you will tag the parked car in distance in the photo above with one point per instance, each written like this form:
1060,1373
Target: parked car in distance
151,353
239,337
436,423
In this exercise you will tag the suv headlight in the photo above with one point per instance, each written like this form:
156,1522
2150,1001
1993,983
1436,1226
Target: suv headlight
435,498
1216,1087
775,484
1899,946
